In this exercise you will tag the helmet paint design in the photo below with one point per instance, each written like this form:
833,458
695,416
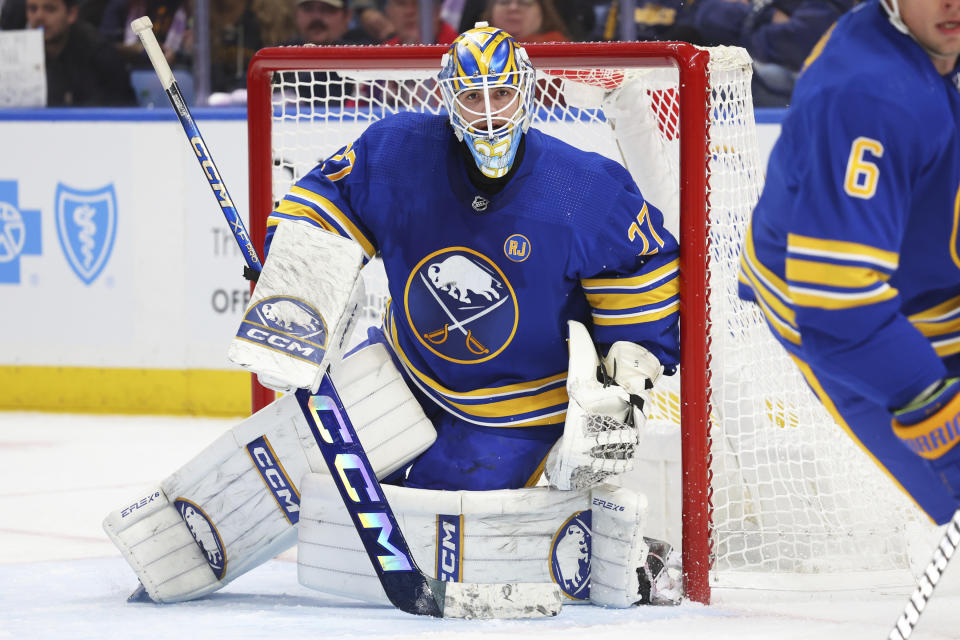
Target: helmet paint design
487,83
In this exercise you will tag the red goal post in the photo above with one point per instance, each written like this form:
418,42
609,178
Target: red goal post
769,486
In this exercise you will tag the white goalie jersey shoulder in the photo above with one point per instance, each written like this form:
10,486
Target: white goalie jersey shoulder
606,415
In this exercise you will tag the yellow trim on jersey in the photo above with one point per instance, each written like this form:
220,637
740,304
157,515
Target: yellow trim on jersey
495,409
942,310
636,318
349,154
948,347
818,48
505,408
843,250
853,277
953,231
766,283
634,282
298,210
332,210
617,301
831,408
779,316
939,320
833,300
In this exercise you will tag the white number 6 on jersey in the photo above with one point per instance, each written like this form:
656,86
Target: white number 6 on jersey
862,175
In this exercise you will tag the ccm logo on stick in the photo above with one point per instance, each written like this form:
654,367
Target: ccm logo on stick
275,477
213,177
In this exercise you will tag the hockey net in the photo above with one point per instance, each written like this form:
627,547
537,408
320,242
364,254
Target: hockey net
742,463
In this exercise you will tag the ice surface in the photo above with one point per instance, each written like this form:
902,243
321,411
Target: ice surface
61,578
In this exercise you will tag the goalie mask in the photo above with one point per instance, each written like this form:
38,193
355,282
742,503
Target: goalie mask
488,83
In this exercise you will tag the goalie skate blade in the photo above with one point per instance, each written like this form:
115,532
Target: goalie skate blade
501,601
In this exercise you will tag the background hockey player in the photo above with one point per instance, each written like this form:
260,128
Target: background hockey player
501,245
852,252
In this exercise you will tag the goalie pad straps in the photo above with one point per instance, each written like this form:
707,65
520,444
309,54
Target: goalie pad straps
605,419
536,535
235,505
299,312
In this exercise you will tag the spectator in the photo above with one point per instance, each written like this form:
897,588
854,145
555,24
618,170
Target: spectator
372,20
13,15
238,29
655,20
322,22
404,15
778,34
576,17
82,68
327,22
170,24
527,20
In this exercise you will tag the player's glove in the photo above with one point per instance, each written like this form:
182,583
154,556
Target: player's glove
930,427
606,412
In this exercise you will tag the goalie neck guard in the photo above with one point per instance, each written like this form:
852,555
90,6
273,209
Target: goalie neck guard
487,83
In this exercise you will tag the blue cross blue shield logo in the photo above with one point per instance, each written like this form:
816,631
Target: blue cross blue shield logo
19,232
87,226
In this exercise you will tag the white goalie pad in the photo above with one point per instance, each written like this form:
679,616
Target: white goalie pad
229,509
236,504
606,412
535,535
299,312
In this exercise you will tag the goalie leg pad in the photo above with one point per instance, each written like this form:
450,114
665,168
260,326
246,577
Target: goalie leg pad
588,542
235,505
535,535
229,509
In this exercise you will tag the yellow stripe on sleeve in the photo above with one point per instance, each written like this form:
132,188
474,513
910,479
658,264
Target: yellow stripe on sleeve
617,301
634,282
853,277
843,250
750,266
636,318
298,210
331,209
832,301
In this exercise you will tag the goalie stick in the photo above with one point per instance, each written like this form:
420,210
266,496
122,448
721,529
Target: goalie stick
928,581
405,585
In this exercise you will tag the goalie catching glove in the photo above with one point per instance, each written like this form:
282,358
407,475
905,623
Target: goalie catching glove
606,412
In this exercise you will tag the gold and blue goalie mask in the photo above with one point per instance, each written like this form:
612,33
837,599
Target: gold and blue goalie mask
488,85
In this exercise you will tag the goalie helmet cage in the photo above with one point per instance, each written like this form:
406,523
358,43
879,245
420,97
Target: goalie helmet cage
774,494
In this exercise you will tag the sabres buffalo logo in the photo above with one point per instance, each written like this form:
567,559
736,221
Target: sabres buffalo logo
461,306
570,556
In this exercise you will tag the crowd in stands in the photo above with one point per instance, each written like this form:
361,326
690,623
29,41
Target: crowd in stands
91,50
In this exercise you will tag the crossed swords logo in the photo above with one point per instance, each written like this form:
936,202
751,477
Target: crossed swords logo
440,335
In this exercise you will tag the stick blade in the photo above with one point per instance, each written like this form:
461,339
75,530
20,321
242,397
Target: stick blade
501,601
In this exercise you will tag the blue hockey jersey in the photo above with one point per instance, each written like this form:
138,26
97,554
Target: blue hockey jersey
482,285
853,252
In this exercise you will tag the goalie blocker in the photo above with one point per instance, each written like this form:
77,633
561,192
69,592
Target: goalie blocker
589,542
236,504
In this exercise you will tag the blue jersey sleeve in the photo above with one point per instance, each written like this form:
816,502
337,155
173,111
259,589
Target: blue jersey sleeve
331,196
628,268
844,241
